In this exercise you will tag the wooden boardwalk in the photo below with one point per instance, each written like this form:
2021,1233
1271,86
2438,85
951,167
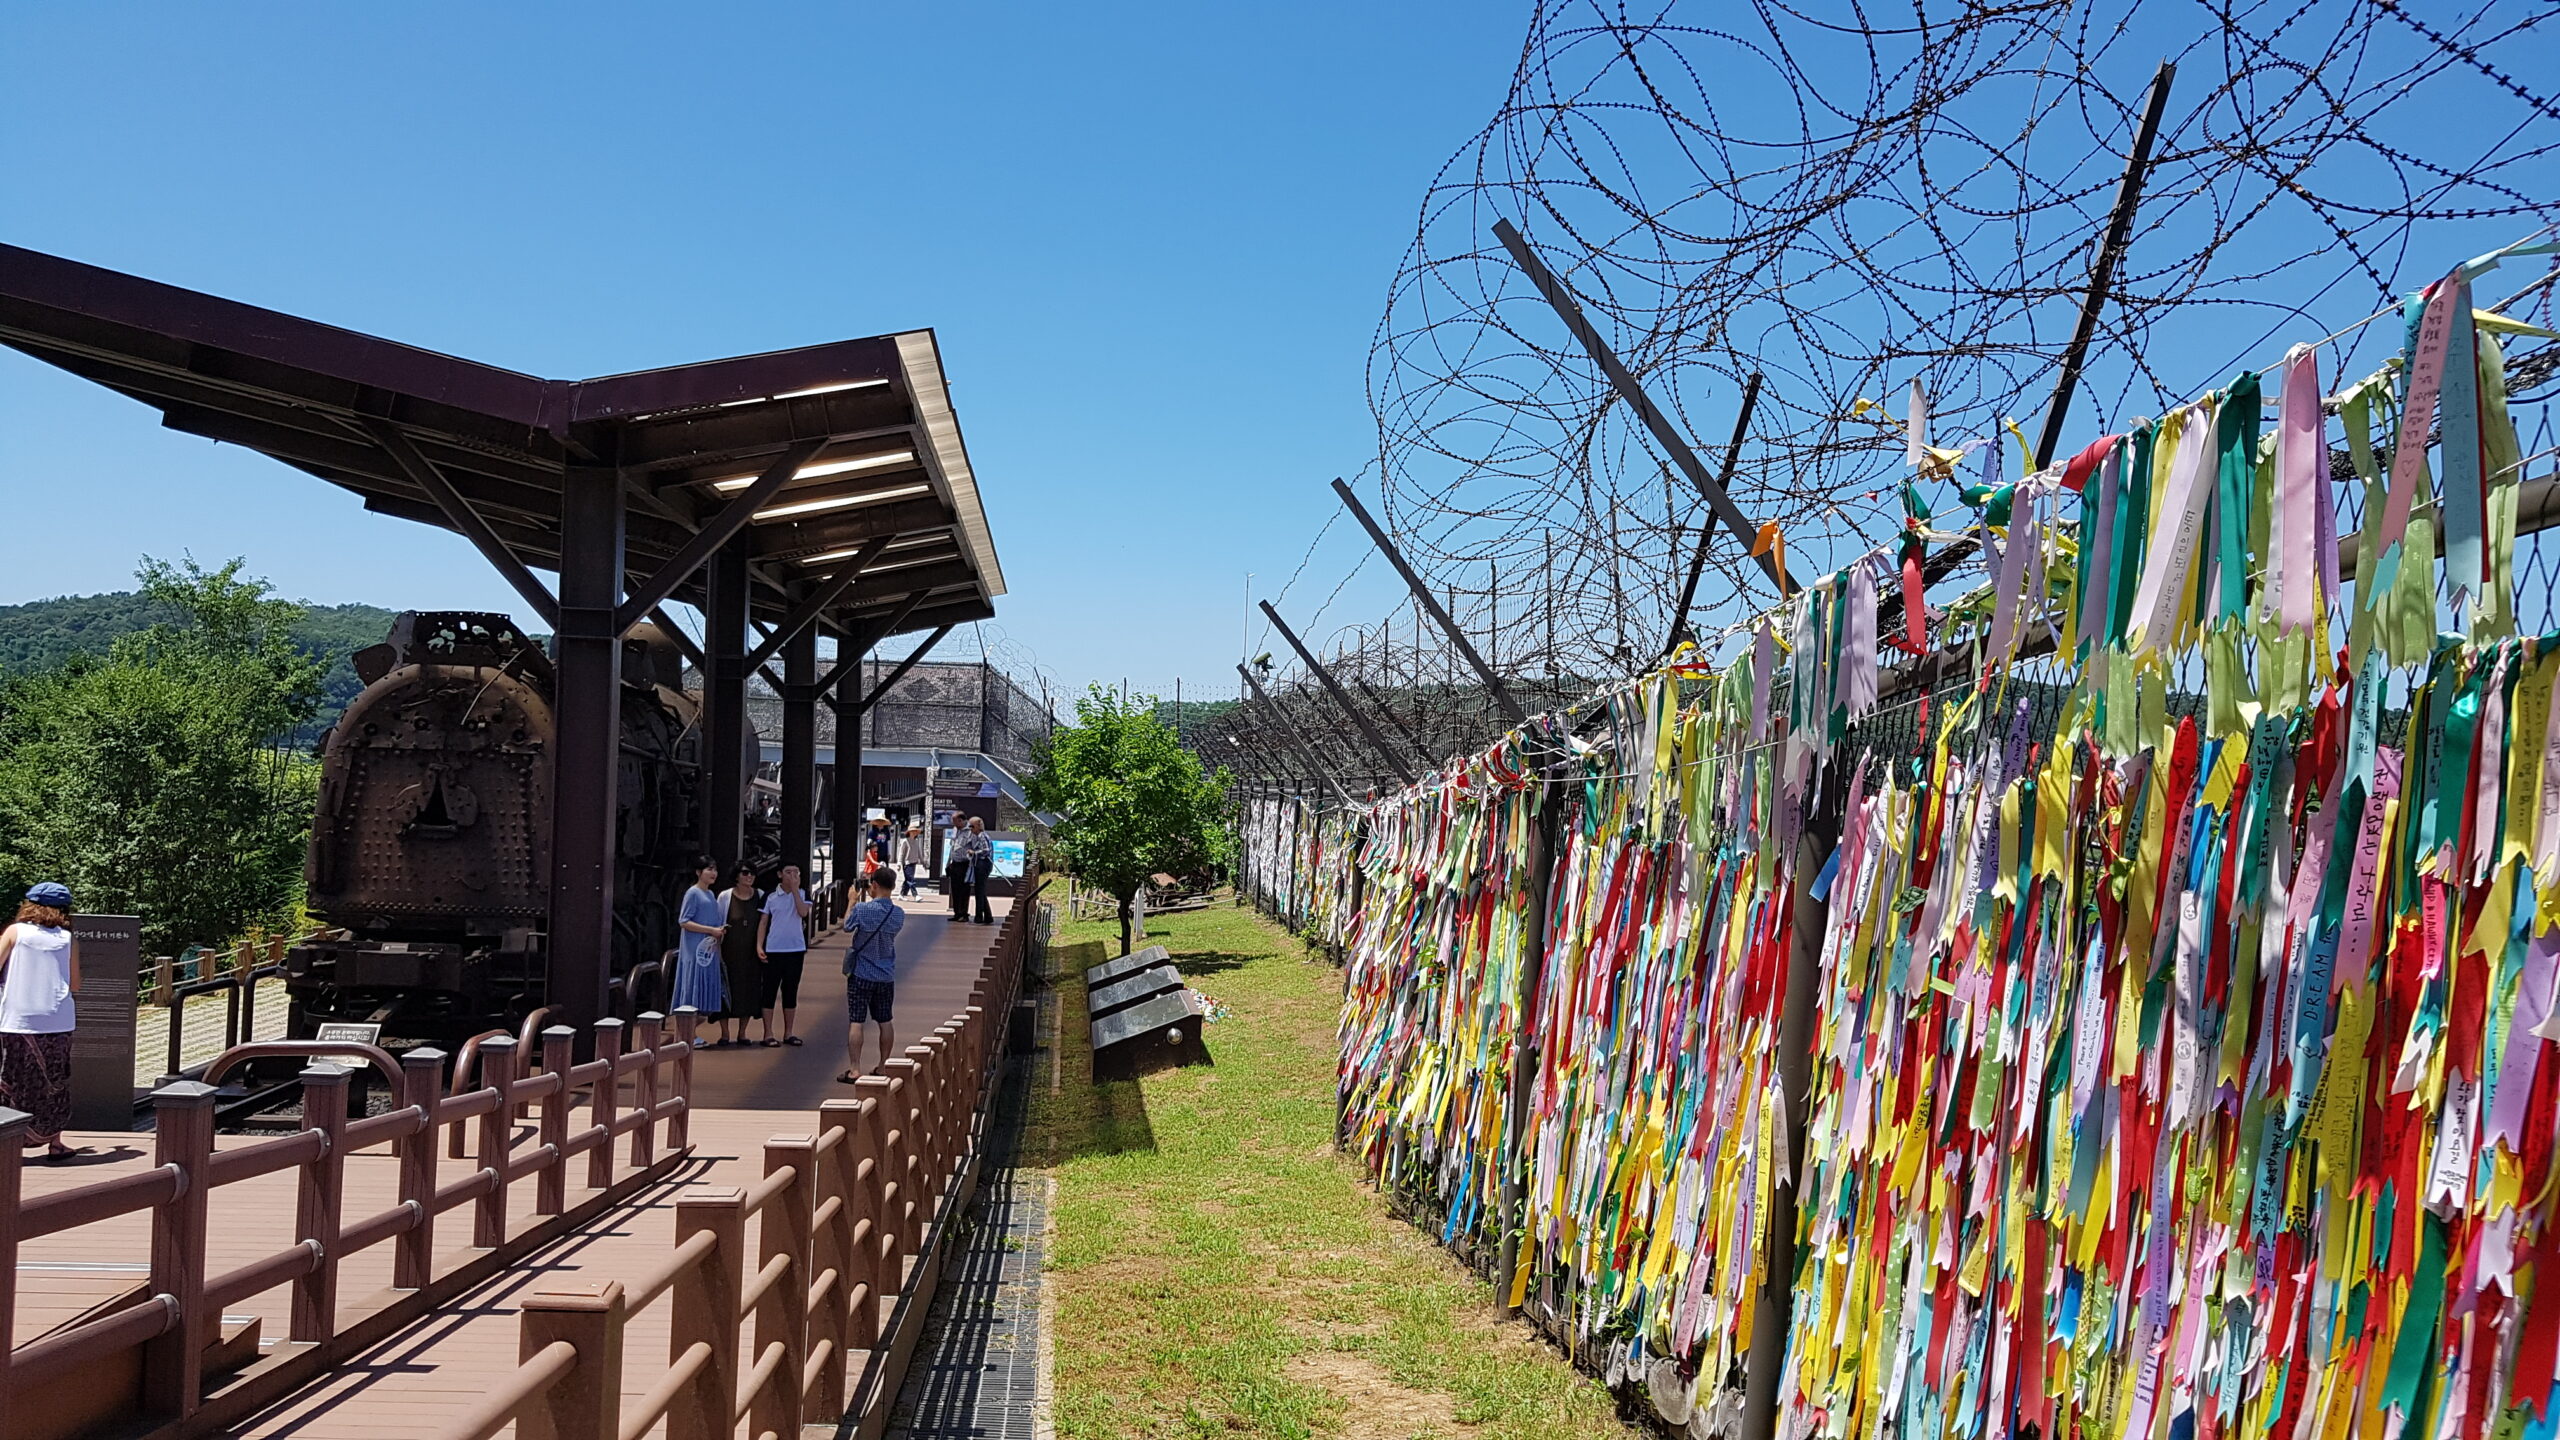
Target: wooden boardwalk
412,1384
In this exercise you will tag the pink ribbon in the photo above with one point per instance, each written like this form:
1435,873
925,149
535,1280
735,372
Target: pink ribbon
2409,457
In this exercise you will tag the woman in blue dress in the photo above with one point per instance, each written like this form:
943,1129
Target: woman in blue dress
698,926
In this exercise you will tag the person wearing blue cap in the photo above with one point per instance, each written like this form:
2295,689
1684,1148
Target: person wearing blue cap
39,970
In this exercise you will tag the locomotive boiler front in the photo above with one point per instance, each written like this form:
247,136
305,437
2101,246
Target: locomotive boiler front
431,850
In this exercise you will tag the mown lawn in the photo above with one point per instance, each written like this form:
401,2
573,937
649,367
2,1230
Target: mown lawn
1220,1270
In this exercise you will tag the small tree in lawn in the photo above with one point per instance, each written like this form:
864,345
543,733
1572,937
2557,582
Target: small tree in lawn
1134,801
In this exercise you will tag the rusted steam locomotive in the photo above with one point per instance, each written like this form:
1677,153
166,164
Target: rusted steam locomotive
431,852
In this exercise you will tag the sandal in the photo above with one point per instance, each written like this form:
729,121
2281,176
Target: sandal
790,1039
847,1078
770,1043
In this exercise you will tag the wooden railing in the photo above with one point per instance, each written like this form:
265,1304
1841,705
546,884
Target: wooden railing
181,1315
236,981
819,1323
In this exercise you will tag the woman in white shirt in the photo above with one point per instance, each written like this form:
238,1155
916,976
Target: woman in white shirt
39,970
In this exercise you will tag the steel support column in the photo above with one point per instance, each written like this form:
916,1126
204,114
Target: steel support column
800,749
587,757
845,811
724,705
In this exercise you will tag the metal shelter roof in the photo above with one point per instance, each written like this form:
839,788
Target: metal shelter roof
877,474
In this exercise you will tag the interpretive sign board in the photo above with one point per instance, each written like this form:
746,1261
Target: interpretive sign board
103,1007
350,1032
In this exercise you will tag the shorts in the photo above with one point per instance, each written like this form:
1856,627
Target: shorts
782,977
868,999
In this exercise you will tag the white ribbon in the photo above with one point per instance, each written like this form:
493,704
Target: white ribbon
2175,533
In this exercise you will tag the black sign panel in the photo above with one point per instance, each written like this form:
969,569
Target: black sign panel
1126,965
102,1038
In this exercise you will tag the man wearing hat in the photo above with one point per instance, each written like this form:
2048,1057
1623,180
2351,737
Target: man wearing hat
39,970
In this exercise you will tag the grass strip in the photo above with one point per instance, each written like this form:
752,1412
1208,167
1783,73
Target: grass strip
1220,1270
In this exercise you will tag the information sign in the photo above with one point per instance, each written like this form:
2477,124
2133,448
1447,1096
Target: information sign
102,1088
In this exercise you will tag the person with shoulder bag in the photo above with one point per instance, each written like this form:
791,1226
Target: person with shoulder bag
870,971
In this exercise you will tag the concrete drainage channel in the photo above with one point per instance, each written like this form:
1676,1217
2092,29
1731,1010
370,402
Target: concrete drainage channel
982,1368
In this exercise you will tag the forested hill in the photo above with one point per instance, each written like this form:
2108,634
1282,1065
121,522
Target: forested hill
43,633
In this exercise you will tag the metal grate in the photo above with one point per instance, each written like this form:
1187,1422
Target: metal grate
976,1371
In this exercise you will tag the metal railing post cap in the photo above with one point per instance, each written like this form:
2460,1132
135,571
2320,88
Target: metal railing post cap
11,1120
186,1094
322,1072
421,1056
560,1032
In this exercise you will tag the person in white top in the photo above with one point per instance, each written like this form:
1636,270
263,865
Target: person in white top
39,971
782,944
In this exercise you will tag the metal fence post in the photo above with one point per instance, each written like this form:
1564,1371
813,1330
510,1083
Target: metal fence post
1538,875
173,1364
320,1203
413,1258
586,1403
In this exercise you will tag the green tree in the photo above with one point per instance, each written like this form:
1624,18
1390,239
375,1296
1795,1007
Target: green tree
1134,801
151,779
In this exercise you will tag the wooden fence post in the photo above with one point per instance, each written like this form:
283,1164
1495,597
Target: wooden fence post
889,1194
905,1148
831,1247
604,1103
173,1364
644,1090
586,1403
942,1048
551,1184
321,1201
680,1127
457,1146
497,1131
705,1312
783,1311
413,1257
13,1138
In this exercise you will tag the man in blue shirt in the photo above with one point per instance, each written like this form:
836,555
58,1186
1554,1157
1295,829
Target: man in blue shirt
871,970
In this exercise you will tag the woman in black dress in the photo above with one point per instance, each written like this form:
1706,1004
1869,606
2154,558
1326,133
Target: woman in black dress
738,962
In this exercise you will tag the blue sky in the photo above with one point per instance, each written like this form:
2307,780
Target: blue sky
1154,241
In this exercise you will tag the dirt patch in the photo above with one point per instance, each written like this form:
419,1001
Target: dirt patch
1375,1407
